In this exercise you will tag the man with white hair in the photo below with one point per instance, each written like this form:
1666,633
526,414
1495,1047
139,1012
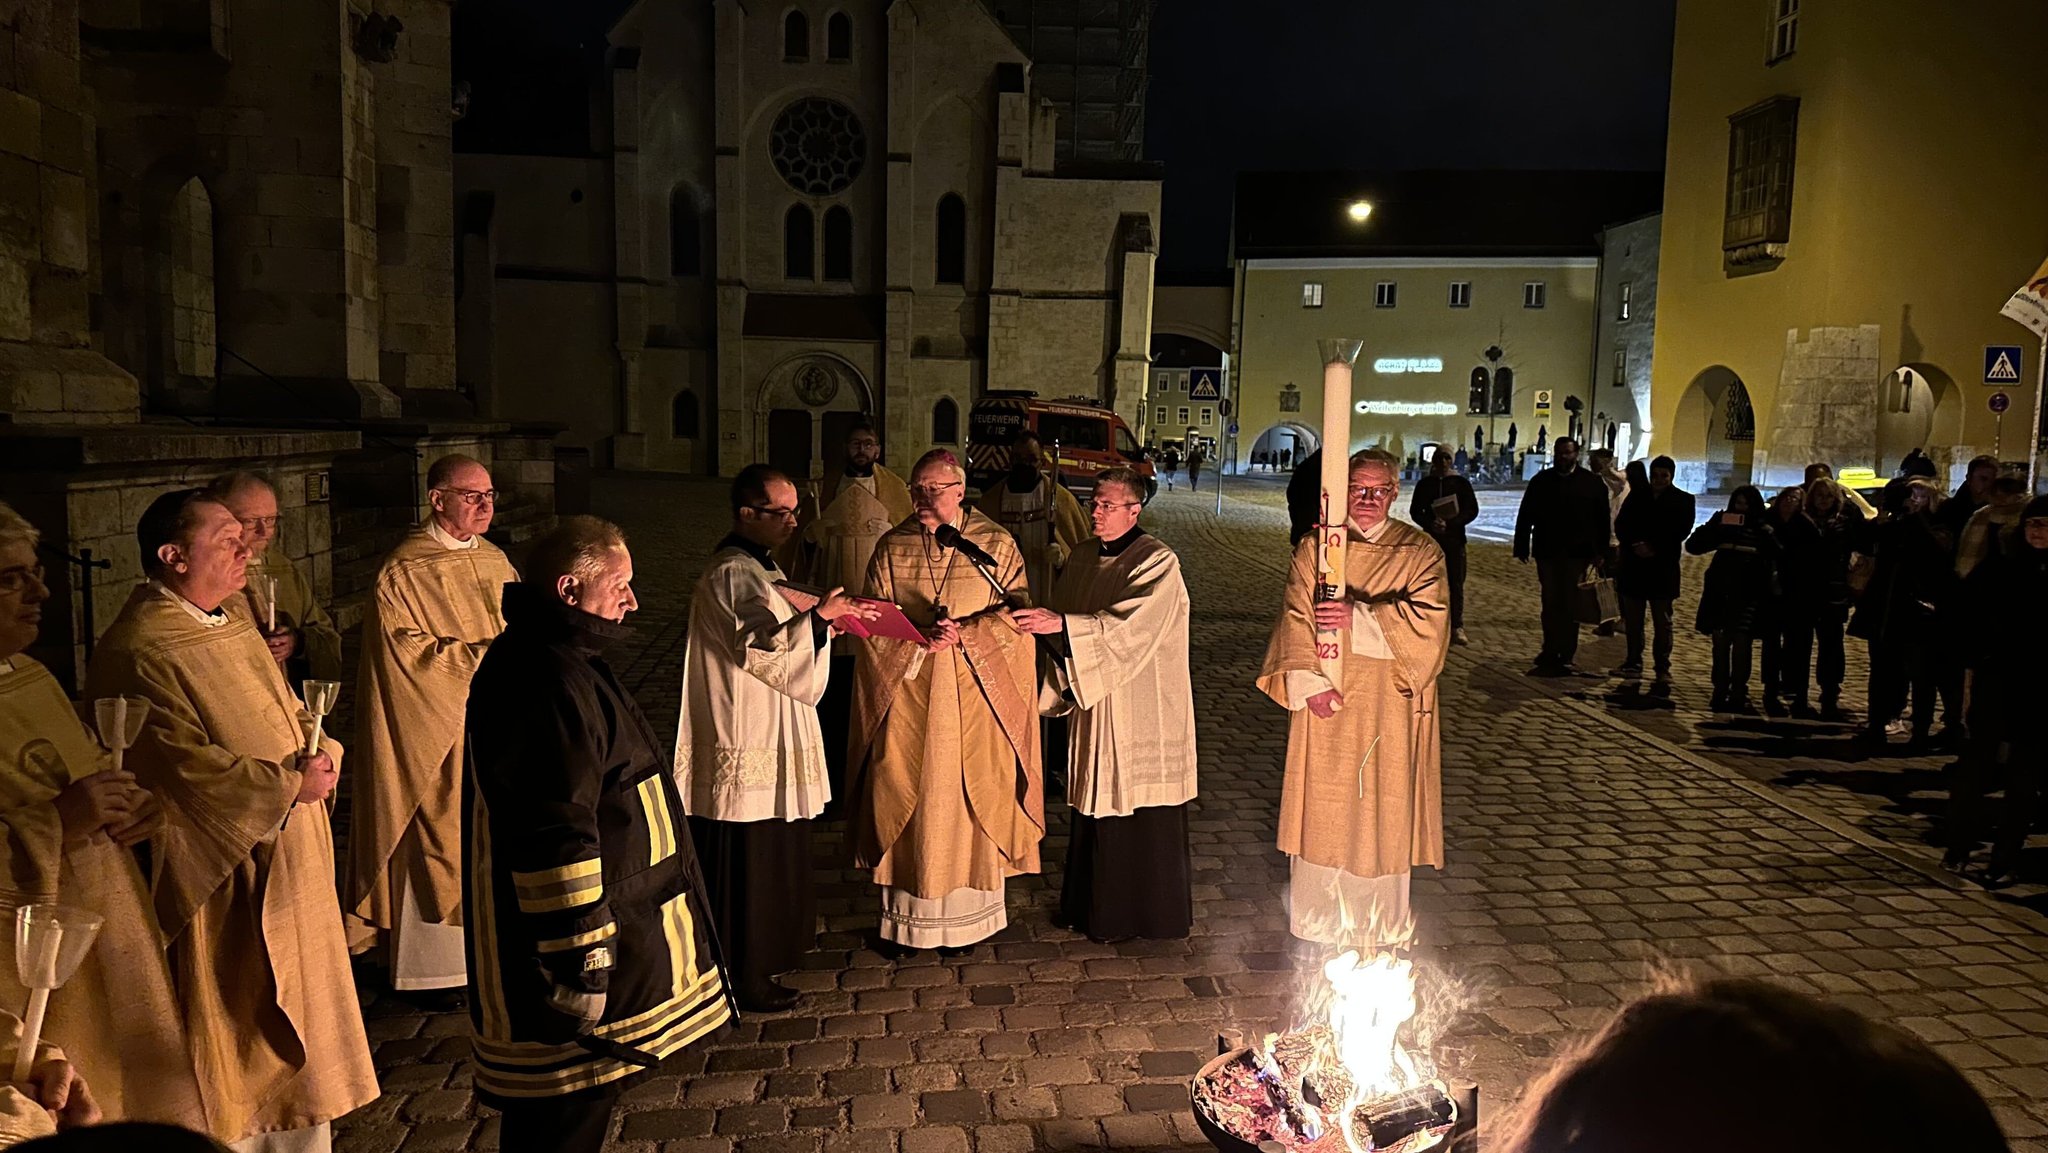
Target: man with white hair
948,798
1362,801
591,956
69,827
749,756
1117,627
300,633
435,611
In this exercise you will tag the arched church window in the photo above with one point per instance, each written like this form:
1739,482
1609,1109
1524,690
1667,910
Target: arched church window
685,233
951,240
818,146
682,416
185,285
796,37
839,37
799,244
1503,390
945,422
838,243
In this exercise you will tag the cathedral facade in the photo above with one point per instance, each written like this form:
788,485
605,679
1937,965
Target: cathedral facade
795,218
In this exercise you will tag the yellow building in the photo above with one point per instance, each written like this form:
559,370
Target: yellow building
1476,294
1853,188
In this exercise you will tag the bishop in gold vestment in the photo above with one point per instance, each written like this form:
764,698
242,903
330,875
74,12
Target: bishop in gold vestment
1362,800
245,882
436,609
117,1014
947,795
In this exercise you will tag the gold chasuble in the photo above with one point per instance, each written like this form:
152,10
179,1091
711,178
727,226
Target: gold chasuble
116,1017
947,792
843,518
245,884
1046,523
1362,800
319,655
436,609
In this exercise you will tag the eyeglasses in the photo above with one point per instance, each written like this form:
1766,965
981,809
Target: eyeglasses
17,580
1374,493
254,523
1110,504
933,491
473,498
777,513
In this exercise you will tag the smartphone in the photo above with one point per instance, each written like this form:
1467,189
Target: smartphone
1732,518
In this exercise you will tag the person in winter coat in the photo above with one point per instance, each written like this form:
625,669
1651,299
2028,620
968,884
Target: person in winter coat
1651,528
1783,626
1564,526
2006,633
1837,523
1898,613
1739,582
1305,497
1446,525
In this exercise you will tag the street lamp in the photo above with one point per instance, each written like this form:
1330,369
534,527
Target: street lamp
1359,210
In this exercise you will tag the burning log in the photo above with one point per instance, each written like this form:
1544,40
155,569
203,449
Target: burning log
1341,1083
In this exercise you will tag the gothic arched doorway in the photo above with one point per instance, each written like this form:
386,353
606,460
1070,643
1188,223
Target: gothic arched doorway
1717,410
806,407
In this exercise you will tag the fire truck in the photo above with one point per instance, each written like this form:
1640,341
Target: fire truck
1084,437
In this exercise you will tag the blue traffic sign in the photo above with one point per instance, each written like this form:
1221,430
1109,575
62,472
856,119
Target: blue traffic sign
2002,364
1205,384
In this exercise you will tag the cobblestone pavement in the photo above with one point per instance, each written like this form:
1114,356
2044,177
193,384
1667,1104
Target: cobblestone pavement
1585,855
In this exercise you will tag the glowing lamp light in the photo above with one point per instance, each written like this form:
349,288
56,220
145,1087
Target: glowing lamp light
1396,365
1405,408
1359,210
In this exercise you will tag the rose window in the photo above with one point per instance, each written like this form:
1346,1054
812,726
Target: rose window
818,146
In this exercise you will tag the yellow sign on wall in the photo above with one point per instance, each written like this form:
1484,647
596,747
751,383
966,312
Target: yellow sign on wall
1542,402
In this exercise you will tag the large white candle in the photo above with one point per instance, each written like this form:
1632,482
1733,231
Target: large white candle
1339,353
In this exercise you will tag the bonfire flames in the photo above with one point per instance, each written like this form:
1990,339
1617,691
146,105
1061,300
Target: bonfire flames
1342,1081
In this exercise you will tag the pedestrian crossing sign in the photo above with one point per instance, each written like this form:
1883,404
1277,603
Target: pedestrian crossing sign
1205,384
2001,364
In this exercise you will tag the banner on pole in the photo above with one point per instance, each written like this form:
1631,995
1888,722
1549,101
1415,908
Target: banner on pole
2029,305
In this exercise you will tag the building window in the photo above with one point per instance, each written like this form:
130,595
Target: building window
1183,414
1784,30
1208,416
799,241
796,38
945,421
1383,294
839,37
951,240
1620,367
1760,158
1627,299
685,233
1503,390
1461,294
838,243
1311,295
682,415
1533,294
1160,413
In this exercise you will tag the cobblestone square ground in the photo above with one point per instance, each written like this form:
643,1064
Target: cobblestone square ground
1592,842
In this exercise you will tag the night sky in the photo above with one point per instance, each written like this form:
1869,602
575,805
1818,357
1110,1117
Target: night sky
1244,85
1236,85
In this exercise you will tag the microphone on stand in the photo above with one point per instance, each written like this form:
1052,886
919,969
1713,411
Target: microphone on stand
951,537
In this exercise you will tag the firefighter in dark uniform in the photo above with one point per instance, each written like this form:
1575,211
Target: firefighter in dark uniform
591,956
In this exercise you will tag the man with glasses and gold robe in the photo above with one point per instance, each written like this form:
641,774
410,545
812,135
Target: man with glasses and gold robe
948,799
1362,801
301,635
437,607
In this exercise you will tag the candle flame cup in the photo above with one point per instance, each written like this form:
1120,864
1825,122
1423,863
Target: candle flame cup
119,722
320,697
49,943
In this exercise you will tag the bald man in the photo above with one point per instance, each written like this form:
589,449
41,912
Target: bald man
436,609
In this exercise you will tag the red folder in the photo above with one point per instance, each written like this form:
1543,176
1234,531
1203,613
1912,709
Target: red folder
891,623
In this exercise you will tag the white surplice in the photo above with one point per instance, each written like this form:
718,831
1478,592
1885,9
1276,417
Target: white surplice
748,746
1124,681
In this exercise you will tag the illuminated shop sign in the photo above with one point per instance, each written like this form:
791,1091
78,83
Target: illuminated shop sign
1405,408
1395,365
